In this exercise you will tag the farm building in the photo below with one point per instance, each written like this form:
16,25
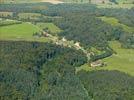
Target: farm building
97,63
63,39
77,45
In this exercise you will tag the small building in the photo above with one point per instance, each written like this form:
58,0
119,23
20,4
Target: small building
63,39
97,63
77,44
45,34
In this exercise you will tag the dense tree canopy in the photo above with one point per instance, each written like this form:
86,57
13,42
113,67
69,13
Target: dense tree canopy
27,67
46,71
108,85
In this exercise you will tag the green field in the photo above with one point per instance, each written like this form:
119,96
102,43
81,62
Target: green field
115,22
125,6
19,32
122,61
51,27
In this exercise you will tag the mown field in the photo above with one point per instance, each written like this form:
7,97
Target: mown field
23,31
16,30
115,22
122,61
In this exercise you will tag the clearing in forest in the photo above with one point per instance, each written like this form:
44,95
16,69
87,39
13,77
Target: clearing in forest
115,22
122,61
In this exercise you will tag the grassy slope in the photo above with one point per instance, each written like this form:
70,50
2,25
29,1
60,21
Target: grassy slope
51,27
122,61
115,22
22,31
128,6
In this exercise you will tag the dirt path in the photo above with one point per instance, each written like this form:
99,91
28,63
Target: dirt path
69,44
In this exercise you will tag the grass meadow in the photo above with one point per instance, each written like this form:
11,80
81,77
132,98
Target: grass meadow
122,61
116,6
115,22
23,31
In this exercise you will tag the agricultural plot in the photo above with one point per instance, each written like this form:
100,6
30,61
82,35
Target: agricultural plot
20,32
115,22
122,61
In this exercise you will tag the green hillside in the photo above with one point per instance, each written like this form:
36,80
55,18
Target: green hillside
67,51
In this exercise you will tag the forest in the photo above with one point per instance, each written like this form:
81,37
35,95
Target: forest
42,45
36,71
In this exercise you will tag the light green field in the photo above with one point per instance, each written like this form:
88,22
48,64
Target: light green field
19,32
51,27
115,22
122,61
125,6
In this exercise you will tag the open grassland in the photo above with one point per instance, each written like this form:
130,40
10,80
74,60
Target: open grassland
125,6
122,61
23,31
115,22
51,27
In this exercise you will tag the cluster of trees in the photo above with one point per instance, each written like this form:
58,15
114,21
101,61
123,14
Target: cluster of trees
88,30
5,22
108,85
82,16
124,15
38,71
45,71
27,67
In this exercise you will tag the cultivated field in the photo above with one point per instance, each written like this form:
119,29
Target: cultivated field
122,61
